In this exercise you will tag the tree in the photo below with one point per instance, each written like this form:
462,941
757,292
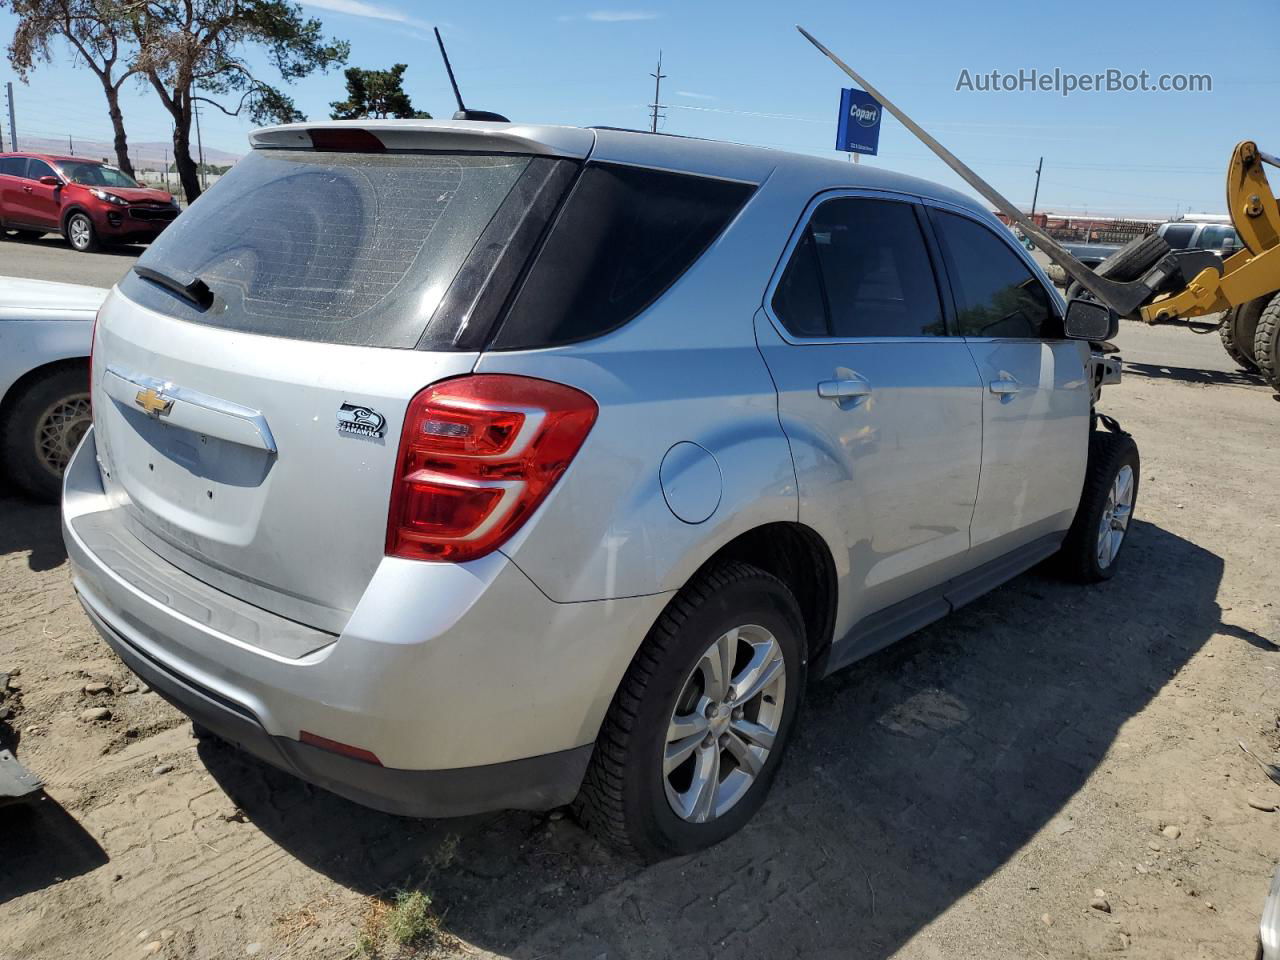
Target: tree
193,50
377,94
92,29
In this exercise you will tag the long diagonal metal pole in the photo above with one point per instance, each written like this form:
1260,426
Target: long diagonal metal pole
1104,290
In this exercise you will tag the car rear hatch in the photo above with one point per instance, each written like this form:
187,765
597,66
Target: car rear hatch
252,372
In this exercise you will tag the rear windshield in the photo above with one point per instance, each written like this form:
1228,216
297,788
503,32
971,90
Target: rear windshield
340,248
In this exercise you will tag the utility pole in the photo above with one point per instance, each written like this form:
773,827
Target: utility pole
657,91
71,147
1036,196
13,126
204,182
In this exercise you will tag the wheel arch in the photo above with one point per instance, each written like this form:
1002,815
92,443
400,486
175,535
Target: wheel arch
18,387
74,208
798,556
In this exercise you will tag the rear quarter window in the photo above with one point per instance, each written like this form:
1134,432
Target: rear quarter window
339,248
624,235
1178,235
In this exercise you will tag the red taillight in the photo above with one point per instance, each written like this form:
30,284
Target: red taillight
477,456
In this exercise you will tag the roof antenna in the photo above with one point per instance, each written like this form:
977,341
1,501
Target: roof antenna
463,113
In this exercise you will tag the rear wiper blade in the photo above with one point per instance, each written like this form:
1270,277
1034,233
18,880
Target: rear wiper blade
186,285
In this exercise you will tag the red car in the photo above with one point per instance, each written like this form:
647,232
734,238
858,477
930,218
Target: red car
88,202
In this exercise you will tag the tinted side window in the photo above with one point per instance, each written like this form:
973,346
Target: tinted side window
861,269
1178,235
13,166
624,236
799,301
38,168
996,295
1213,237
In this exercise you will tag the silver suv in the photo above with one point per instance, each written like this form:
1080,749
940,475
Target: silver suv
454,466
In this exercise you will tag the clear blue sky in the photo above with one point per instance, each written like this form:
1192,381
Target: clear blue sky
739,71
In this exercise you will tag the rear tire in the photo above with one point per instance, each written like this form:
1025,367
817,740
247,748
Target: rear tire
1266,342
669,730
42,428
1091,550
1230,334
1246,327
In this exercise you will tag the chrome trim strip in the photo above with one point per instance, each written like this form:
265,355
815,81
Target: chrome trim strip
193,410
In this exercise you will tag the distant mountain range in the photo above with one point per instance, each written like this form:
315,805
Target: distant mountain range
145,155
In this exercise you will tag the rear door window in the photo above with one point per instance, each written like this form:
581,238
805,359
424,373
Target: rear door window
1178,235
625,235
333,247
996,294
1213,237
860,269
13,166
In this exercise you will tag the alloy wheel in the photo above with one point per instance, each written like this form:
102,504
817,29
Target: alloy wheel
81,231
724,723
1115,517
59,431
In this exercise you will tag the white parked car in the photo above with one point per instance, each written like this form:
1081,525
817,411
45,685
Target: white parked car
45,332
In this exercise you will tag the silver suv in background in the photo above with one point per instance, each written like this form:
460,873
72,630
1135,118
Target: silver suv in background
454,466
1217,236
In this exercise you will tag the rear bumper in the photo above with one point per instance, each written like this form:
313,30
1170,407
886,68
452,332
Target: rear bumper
534,783
473,689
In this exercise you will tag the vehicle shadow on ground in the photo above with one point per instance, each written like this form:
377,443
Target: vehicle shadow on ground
914,776
42,844
1160,371
26,525
53,240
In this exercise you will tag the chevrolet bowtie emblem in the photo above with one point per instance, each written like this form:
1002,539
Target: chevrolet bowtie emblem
156,404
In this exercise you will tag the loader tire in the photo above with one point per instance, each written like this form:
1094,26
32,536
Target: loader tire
1229,332
1266,343
1128,263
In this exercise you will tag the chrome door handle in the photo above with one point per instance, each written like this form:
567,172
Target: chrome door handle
1004,386
843,389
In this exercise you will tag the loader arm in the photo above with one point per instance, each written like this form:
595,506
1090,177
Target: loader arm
1252,272
1249,273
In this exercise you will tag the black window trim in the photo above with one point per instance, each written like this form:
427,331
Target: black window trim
941,284
1051,294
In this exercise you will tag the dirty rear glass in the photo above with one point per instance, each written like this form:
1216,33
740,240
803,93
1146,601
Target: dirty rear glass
339,248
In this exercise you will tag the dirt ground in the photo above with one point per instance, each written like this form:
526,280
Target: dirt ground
966,793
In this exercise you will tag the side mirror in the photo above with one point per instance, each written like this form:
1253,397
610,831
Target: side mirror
50,181
1090,320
